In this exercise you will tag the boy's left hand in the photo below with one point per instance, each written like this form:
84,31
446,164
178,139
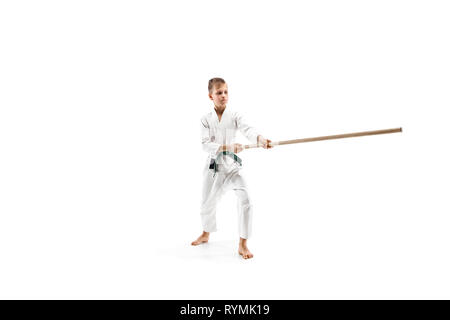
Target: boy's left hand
263,142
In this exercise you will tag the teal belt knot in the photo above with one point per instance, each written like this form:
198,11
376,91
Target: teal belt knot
213,164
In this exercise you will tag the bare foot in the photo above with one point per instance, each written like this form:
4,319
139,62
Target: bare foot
202,239
243,250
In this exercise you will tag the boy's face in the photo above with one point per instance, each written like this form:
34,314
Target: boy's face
219,96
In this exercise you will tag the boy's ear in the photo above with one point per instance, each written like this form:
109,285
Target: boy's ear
210,96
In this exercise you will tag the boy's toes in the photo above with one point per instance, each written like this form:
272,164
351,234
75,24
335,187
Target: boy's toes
246,254
199,241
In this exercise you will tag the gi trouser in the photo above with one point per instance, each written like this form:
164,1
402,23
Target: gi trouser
214,186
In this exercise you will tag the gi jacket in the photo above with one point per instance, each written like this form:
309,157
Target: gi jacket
216,133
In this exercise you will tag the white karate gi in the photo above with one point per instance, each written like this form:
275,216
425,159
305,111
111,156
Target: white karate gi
214,134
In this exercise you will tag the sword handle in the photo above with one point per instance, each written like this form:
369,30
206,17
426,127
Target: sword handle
255,145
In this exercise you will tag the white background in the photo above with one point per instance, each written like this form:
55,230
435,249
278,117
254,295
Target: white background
100,156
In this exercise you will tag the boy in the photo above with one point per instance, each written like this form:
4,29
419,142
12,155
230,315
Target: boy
221,172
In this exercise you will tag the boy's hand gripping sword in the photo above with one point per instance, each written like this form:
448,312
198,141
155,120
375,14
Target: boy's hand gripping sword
337,136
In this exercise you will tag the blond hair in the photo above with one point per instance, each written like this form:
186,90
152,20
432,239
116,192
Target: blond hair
213,82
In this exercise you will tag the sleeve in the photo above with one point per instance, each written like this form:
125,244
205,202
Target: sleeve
249,132
208,145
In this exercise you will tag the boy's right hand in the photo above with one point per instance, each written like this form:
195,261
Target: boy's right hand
235,147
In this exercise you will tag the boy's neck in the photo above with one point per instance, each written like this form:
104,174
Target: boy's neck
219,111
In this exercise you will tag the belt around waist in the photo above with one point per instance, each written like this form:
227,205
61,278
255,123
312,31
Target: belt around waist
215,166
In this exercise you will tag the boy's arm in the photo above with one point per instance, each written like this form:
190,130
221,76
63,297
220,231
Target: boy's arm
250,133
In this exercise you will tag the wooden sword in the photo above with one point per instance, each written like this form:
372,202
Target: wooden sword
337,136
